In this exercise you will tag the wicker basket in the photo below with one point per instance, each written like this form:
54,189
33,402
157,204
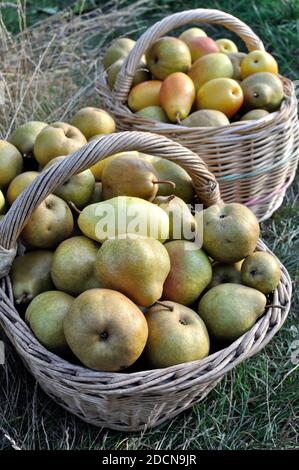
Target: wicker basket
137,400
254,162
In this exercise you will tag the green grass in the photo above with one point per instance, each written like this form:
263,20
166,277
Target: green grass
256,406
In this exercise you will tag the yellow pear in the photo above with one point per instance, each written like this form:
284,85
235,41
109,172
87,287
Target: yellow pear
18,184
210,66
98,168
177,95
191,33
145,94
166,56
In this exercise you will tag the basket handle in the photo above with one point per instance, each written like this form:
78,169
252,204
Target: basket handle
204,182
200,15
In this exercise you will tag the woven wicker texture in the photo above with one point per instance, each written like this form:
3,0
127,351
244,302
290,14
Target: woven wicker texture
254,162
142,399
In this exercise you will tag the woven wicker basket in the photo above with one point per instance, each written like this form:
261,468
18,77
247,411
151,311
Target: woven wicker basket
137,400
254,162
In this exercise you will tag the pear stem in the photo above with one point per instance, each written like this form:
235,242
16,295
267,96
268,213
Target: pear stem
276,306
178,118
74,207
171,183
169,307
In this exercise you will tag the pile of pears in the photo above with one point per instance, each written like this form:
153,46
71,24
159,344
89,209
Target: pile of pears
114,274
196,81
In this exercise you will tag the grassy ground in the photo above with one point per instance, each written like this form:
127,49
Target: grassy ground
257,404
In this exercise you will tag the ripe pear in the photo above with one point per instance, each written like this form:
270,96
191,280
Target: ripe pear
229,310
137,267
176,334
236,59
142,74
230,232
73,265
130,176
51,223
119,49
210,66
11,163
191,33
105,330
93,121
254,114
206,118
263,90
97,194
123,215
155,113
223,273
98,167
56,140
166,56
170,171
261,270
177,95
190,273
31,275
78,189
45,316
18,184
227,46
145,94
2,202
182,224
24,136
200,46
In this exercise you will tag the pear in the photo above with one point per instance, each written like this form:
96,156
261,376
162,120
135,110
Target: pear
263,90
2,202
254,114
18,184
119,49
170,171
182,224
11,163
190,273
137,267
31,275
166,56
230,232
45,316
130,176
229,310
93,121
78,189
177,95
24,136
57,140
206,118
176,334
97,168
224,273
124,215
73,265
236,59
142,74
261,270
50,223
155,113
97,194
105,330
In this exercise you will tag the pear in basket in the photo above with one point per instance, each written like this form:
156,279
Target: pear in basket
191,33
223,273
261,270
179,215
93,121
258,61
11,163
227,46
119,49
24,136
18,184
200,46
2,202
210,66
177,96
236,59
263,90
166,56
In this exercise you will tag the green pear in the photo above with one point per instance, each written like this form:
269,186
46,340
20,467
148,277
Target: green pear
24,136
57,140
254,114
18,184
124,215
51,223
2,202
176,334
155,113
142,74
261,270
224,273
130,176
45,316
31,275
93,121
263,90
78,189
229,310
236,59
168,55
206,118
105,330
11,163
97,195
119,49
137,267
182,224
167,170
73,265
190,273
230,232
